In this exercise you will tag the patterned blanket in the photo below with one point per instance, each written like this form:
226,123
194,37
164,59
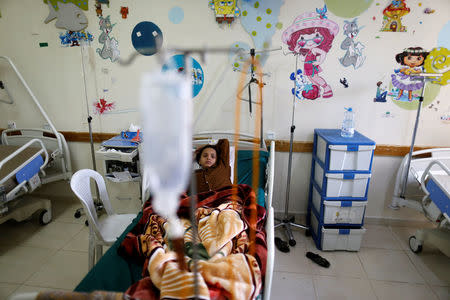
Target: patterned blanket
231,247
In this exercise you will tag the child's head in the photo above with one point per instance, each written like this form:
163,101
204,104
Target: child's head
207,156
412,57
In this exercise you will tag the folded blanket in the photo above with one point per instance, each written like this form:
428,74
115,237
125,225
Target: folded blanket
231,264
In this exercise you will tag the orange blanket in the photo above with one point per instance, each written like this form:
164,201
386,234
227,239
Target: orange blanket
226,269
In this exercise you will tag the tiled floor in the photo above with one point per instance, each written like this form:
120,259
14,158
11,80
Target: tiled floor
35,258
384,268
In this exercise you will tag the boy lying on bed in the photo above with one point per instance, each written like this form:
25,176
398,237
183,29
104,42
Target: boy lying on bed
227,269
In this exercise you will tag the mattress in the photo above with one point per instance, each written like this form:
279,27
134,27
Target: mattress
10,166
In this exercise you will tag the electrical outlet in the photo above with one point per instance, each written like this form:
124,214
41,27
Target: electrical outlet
11,125
270,135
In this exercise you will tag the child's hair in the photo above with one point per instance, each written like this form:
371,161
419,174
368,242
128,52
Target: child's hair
325,45
414,51
198,155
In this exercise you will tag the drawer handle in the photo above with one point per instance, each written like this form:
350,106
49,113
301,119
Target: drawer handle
349,176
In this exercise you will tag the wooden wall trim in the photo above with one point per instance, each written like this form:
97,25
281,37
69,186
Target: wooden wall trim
73,136
280,145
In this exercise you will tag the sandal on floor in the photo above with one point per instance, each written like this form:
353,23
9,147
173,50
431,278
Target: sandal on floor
281,245
318,259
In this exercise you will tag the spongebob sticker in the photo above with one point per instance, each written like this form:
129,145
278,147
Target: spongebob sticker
226,11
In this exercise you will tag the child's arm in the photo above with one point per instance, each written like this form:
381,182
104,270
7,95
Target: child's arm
223,146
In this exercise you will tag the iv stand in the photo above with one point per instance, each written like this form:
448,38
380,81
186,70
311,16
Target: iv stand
288,222
98,204
424,77
253,79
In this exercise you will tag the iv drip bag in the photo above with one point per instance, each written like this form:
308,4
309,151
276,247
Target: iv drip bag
166,118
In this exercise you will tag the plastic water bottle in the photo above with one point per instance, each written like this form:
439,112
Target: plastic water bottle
348,125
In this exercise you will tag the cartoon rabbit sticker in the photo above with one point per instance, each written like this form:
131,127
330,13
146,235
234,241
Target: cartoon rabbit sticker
110,45
354,55
311,36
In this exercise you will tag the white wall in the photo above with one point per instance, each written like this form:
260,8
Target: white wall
55,75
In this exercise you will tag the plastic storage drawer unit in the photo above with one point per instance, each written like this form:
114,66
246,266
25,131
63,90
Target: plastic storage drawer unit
342,238
341,154
338,212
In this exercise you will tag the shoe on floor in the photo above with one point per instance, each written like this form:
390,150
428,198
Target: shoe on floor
318,259
281,245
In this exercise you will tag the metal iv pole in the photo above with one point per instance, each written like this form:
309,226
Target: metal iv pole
287,222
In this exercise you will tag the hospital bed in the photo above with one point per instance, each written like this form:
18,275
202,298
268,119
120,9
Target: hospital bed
30,157
428,191
114,273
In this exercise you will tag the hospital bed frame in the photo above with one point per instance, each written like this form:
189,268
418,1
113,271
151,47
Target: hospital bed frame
419,162
56,166
57,162
426,193
247,142
435,204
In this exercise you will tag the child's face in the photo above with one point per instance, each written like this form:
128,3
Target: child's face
208,158
413,60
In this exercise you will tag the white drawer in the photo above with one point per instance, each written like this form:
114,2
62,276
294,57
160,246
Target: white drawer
348,239
342,184
339,212
345,157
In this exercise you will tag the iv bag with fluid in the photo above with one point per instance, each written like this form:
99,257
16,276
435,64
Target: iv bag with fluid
166,118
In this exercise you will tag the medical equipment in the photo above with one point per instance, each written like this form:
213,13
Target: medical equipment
24,168
120,167
287,221
166,116
426,177
437,67
436,206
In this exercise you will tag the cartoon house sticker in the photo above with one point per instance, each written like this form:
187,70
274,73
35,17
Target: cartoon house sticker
311,36
225,11
392,16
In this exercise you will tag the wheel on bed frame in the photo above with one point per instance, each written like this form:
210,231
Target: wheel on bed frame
414,244
45,217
